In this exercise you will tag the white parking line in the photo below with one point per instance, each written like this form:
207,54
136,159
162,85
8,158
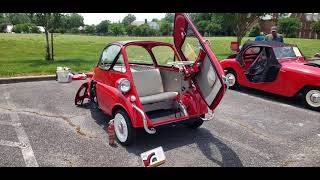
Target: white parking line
27,152
278,103
9,123
9,143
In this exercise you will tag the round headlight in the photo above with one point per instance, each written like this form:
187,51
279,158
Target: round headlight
124,85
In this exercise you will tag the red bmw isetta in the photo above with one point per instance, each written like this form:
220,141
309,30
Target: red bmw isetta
144,84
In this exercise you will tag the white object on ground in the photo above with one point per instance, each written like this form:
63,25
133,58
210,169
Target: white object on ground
64,75
153,158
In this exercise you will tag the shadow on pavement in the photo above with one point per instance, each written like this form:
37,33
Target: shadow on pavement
293,101
174,136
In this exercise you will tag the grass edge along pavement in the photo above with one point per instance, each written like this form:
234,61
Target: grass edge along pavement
23,54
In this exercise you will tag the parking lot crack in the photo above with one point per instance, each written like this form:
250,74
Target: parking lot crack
66,119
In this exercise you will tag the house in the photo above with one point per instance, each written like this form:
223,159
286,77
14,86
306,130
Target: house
267,21
41,29
306,24
153,25
8,29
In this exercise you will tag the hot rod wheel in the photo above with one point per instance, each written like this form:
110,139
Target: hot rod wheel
311,98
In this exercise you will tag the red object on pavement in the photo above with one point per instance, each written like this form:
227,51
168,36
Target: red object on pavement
111,133
79,77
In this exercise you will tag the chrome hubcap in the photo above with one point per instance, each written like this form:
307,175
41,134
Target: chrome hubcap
313,98
231,79
121,128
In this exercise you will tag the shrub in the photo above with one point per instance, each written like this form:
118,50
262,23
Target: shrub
316,27
255,31
26,28
289,27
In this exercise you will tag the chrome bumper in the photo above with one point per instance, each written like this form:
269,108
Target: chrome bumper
145,125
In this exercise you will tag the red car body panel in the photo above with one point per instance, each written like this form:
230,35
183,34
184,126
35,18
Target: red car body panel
293,76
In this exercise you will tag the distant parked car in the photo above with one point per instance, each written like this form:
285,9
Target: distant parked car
276,68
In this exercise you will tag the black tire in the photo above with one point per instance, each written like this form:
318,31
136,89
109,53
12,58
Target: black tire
236,84
131,130
93,95
193,123
306,92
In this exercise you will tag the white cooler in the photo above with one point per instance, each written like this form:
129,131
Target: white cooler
64,75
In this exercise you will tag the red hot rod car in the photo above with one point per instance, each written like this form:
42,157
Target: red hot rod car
144,84
276,68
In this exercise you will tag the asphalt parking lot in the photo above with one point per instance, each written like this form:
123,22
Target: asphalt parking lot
41,126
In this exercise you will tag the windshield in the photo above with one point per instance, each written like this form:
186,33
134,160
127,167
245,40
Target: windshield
287,52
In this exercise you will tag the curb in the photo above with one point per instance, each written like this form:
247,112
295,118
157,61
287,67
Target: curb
10,80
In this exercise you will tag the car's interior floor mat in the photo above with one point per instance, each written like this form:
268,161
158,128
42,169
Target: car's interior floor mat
164,114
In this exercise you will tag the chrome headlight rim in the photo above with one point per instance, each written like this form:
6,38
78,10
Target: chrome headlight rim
124,85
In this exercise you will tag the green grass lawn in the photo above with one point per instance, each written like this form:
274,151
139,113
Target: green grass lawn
23,54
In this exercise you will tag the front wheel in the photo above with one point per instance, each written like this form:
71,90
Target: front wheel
124,130
311,98
232,78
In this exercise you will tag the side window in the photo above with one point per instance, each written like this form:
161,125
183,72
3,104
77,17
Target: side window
108,56
119,65
138,54
163,55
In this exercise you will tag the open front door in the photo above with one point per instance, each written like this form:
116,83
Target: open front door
192,47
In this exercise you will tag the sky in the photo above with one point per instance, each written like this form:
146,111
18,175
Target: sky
96,18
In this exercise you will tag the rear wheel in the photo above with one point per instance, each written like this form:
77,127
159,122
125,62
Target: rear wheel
232,78
93,95
124,130
311,98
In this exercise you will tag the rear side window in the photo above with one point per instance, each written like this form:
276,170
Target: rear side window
138,54
163,55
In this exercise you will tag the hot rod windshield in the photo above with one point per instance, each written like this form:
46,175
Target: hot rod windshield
286,52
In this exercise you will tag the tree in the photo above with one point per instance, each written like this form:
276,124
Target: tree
26,28
289,27
90,29
74,20
169,17
4,21
50,22
117,29
213,28
128,19
241,22
316,27
18,18
255,31
130,29
165,28
155,20
103,27
202,26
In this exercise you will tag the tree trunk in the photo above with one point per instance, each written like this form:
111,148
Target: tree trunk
52,47
47,45
239,38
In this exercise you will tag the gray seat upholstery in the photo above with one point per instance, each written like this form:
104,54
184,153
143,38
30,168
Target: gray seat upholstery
150,87
158,97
